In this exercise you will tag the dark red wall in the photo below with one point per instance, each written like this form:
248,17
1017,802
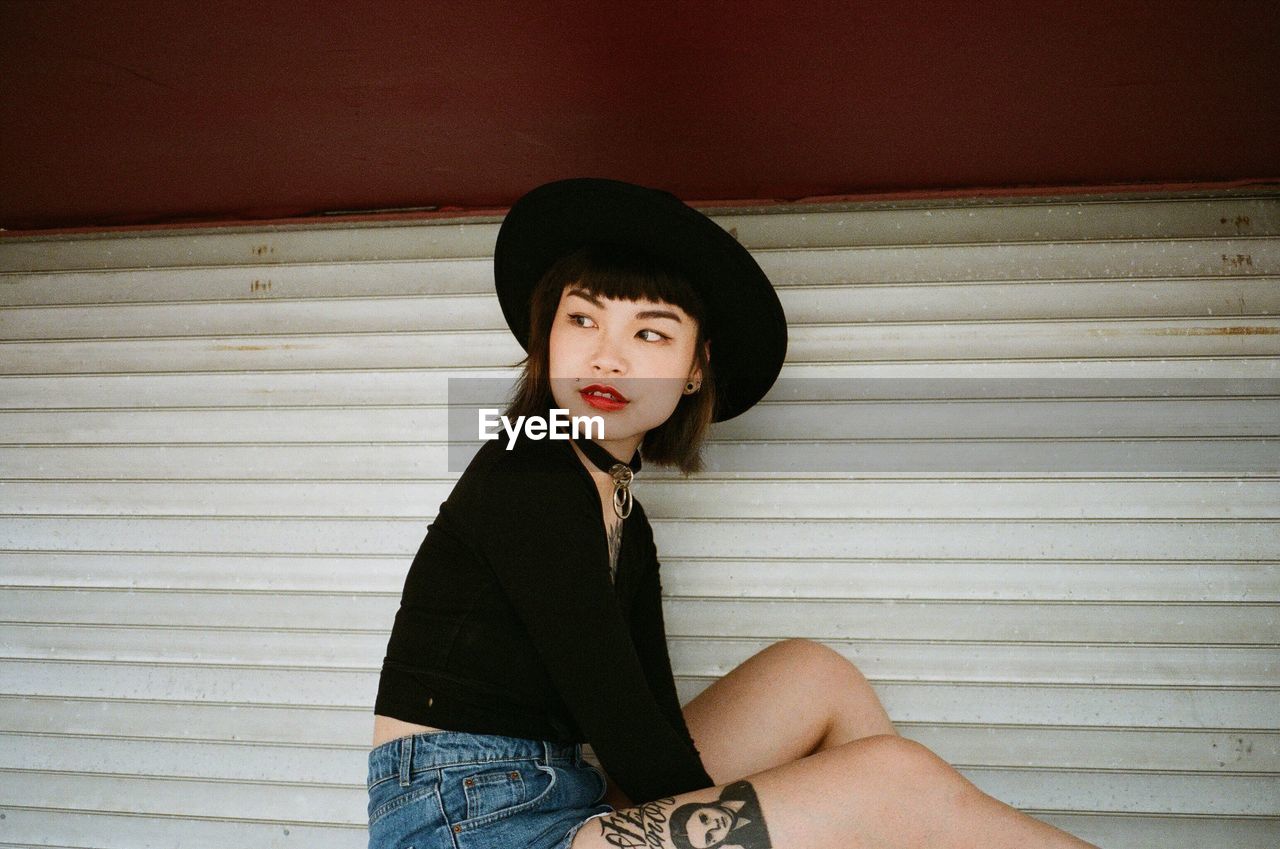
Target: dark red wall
148,112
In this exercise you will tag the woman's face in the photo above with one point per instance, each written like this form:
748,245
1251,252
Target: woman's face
641,352
709,826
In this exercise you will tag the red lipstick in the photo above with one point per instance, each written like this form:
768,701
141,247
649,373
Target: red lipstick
603,397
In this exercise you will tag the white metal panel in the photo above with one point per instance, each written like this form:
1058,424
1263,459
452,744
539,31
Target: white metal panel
219,450
265,460
1162,418
228,281
865,578
993,743
1215,215
1181,705
885,658
1253,336
42,826
825,303
1244,624
701,497
783,539
414,387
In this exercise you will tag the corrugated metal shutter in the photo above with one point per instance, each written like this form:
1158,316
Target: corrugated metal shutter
221,449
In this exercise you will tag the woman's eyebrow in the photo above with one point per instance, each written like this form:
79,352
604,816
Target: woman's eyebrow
641,314
587,296
658,314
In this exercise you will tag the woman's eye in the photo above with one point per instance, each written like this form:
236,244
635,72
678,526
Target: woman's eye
580,320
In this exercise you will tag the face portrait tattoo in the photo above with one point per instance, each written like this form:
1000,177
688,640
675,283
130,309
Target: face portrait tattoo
734,821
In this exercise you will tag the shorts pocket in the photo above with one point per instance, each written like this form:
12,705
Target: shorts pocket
387,796
477,794
492,792
601,780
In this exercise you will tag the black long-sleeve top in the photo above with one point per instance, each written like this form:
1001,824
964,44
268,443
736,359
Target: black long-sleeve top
510,624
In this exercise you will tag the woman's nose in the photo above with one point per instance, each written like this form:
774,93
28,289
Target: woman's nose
606,357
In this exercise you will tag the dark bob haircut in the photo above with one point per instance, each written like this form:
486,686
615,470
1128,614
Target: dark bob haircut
625,273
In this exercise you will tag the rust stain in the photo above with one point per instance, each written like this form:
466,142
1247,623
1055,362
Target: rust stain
1237,261
262,250
1235,330
1241,222
1212,331
260,286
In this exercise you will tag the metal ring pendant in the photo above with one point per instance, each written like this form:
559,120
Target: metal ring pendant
622,476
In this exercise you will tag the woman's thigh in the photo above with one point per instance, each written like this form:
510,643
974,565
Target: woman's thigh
879,791
788,701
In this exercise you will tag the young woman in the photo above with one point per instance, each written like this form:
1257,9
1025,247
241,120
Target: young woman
529,627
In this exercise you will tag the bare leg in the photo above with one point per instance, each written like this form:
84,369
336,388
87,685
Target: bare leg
789,700
883,791
792,699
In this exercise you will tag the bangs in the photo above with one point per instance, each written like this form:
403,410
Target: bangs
627,273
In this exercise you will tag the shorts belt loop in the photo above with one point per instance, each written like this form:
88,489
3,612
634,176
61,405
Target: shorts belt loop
406,760
546,753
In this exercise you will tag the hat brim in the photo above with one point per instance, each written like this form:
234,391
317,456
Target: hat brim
745,321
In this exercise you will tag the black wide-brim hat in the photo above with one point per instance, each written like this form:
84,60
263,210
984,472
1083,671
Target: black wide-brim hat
744,320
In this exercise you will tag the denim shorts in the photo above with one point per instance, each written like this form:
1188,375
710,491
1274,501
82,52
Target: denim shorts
455,790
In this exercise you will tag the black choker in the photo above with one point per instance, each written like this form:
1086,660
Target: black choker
621,472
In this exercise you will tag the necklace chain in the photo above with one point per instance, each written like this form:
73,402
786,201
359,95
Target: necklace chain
622,477
621,473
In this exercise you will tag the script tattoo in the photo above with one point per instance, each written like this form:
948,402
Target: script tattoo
733,821
637,828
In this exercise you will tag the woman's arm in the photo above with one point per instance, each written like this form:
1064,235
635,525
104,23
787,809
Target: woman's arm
648,632
545,542
614,796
